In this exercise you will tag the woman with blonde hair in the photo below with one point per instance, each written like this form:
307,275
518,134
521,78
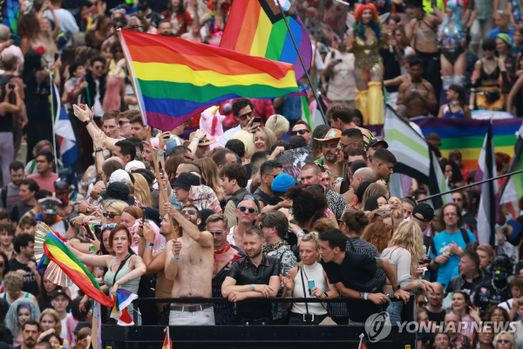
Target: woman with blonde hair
248,141
504,340
112,210
278,124
308,280
210,176
142,192
263,138
404,251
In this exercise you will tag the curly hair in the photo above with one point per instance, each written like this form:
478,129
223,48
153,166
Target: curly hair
378,234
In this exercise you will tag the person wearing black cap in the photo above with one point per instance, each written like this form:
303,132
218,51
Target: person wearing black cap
268,171
423,214
117,191
375,144
182,186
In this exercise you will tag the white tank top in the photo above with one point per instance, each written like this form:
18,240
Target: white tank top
313,272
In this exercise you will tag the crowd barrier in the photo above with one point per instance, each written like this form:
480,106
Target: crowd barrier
252,336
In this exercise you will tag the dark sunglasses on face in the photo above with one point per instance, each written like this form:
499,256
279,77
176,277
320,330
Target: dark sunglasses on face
246,115
300,132
249,209
189,212
109,215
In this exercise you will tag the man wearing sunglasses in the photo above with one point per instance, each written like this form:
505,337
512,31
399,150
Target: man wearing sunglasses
93,95
302,129
247,213
243,113
189,263
224,257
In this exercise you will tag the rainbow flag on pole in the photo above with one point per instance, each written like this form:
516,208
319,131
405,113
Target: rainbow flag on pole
58,252
176,78
167,342
257,28
513,189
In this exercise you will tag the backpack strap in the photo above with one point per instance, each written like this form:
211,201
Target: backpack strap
3,195
465,236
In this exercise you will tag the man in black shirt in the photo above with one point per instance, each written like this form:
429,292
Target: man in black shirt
350,272
24,263
253,276
434,308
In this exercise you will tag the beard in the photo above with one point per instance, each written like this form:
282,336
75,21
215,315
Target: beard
254,254
331,157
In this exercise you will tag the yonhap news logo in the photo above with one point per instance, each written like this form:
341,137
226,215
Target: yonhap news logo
378,327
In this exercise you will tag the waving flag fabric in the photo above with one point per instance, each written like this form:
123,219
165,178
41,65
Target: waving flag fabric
413,156
513,189
120,310
487,210
59,253
257,28
167,342
64,132
176,78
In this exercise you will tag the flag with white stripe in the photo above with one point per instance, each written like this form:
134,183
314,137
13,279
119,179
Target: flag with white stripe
414,157
487,201
64,132
513,189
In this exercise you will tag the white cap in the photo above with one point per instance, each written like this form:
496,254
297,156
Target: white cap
134,165
120,176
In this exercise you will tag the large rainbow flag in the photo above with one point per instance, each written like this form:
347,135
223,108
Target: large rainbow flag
176,78
257,28
468,136
58,252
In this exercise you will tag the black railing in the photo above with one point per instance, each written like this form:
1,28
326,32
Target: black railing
253,336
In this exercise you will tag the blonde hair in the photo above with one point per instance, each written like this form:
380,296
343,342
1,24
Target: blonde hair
311,237
51,312
118,205
505,334
278,124
408,235
13,281
270,138
141,189
209,171
248,141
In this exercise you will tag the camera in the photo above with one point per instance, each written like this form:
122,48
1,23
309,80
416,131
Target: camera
11,85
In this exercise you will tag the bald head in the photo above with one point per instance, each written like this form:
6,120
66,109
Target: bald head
5,33
364,174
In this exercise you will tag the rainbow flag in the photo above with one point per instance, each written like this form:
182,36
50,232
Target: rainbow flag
467,136
176,78
120,312
58,252
257,28
513,189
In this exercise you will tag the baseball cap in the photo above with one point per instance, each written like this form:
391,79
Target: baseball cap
423,212
120,175
134,165
378,141
60,292
331,134
50,205
186,180
118,191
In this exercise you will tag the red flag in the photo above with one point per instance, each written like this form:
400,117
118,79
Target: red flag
167,342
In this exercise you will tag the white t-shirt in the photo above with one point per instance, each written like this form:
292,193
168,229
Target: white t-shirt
342,83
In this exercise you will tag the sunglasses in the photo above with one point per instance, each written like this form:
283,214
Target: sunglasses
249,209
110,214
189,212
300,132
216,233
504,341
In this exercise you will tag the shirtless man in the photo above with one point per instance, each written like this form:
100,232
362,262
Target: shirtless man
189,263
421,33
416,97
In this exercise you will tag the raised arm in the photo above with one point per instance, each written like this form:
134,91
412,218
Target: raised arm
203,238
90,259
172,251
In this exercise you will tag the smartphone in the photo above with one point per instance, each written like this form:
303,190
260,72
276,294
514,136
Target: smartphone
311,285
338,61
257,121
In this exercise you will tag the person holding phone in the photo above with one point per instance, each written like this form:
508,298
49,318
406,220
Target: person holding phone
308,280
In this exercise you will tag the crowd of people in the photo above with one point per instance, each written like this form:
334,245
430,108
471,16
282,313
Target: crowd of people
199,212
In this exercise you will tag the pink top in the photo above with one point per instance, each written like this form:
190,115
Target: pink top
45,183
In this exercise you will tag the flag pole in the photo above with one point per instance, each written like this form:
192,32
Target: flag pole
472,185
133,76
293,39
53,121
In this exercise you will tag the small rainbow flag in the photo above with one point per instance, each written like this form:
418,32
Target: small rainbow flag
257,28
58,252
122,300
176,79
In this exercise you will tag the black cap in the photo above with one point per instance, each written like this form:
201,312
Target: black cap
423,212
378,141
118,191
414,3
152,214
185,180
60,292
204,214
